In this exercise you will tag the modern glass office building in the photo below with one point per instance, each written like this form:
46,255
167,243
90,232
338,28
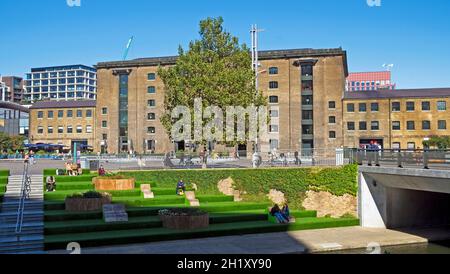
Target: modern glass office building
61,83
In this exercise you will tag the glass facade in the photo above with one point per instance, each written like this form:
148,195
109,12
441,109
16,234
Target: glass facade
123,113
61,83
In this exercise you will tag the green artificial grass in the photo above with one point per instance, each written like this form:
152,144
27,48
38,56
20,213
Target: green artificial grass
293,182
52,172
161,234
4,173
226,216
3,180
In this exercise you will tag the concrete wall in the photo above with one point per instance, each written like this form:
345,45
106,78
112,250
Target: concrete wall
398,198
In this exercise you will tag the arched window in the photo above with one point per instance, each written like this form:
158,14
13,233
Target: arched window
273,71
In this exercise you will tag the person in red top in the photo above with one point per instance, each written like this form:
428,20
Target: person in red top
101,171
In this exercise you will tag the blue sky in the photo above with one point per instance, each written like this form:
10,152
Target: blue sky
414,35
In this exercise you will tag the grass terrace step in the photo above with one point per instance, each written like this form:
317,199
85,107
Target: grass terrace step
142,222
161,234
94,225
157,201
61,195
76,186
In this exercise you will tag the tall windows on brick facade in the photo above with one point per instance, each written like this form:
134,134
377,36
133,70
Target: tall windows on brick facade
351,126
396,125
410,125
426,125
273,85
362,107
151,103
410,106
151,90
350,107
396,107
442,124
273,99
332,120
374,107
363,125
332,104
332,135
442,106
426,106
307,115
375,125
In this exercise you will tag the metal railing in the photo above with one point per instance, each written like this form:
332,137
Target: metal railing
427,159
24,195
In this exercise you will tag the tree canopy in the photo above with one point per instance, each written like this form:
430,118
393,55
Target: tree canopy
215,68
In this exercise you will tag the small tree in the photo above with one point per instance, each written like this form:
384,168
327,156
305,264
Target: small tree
439,142
215,68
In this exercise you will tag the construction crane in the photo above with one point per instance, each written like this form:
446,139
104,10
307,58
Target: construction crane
127,49
388,67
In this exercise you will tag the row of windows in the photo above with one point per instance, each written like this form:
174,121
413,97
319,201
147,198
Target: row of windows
69,114
396,106
47,89
307,70
61,74
370,83
60,130
62,81
396,125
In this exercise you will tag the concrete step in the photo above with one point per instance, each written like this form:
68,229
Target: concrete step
16,208
29,231
23,239
24,249
26,219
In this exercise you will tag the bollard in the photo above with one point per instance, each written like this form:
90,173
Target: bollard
359,157
399,159
377,159
425,160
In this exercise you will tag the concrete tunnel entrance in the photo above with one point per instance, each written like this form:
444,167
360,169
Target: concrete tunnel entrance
395,198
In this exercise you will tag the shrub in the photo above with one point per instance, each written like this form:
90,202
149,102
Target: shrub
258,182
89,195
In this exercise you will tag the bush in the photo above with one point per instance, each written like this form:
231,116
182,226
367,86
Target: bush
89,195
258,182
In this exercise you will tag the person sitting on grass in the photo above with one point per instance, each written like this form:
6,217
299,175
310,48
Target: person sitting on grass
181,188
276,212
51,184
286,212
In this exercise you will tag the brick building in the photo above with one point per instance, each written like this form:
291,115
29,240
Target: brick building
63,123
304,87
369,81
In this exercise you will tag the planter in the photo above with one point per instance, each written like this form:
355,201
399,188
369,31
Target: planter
109,184
86,204
185,221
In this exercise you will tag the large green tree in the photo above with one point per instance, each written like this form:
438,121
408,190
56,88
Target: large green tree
216,68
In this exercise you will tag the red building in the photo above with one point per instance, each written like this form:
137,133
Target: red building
368,81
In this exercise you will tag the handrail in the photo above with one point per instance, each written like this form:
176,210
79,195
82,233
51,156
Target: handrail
24,195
